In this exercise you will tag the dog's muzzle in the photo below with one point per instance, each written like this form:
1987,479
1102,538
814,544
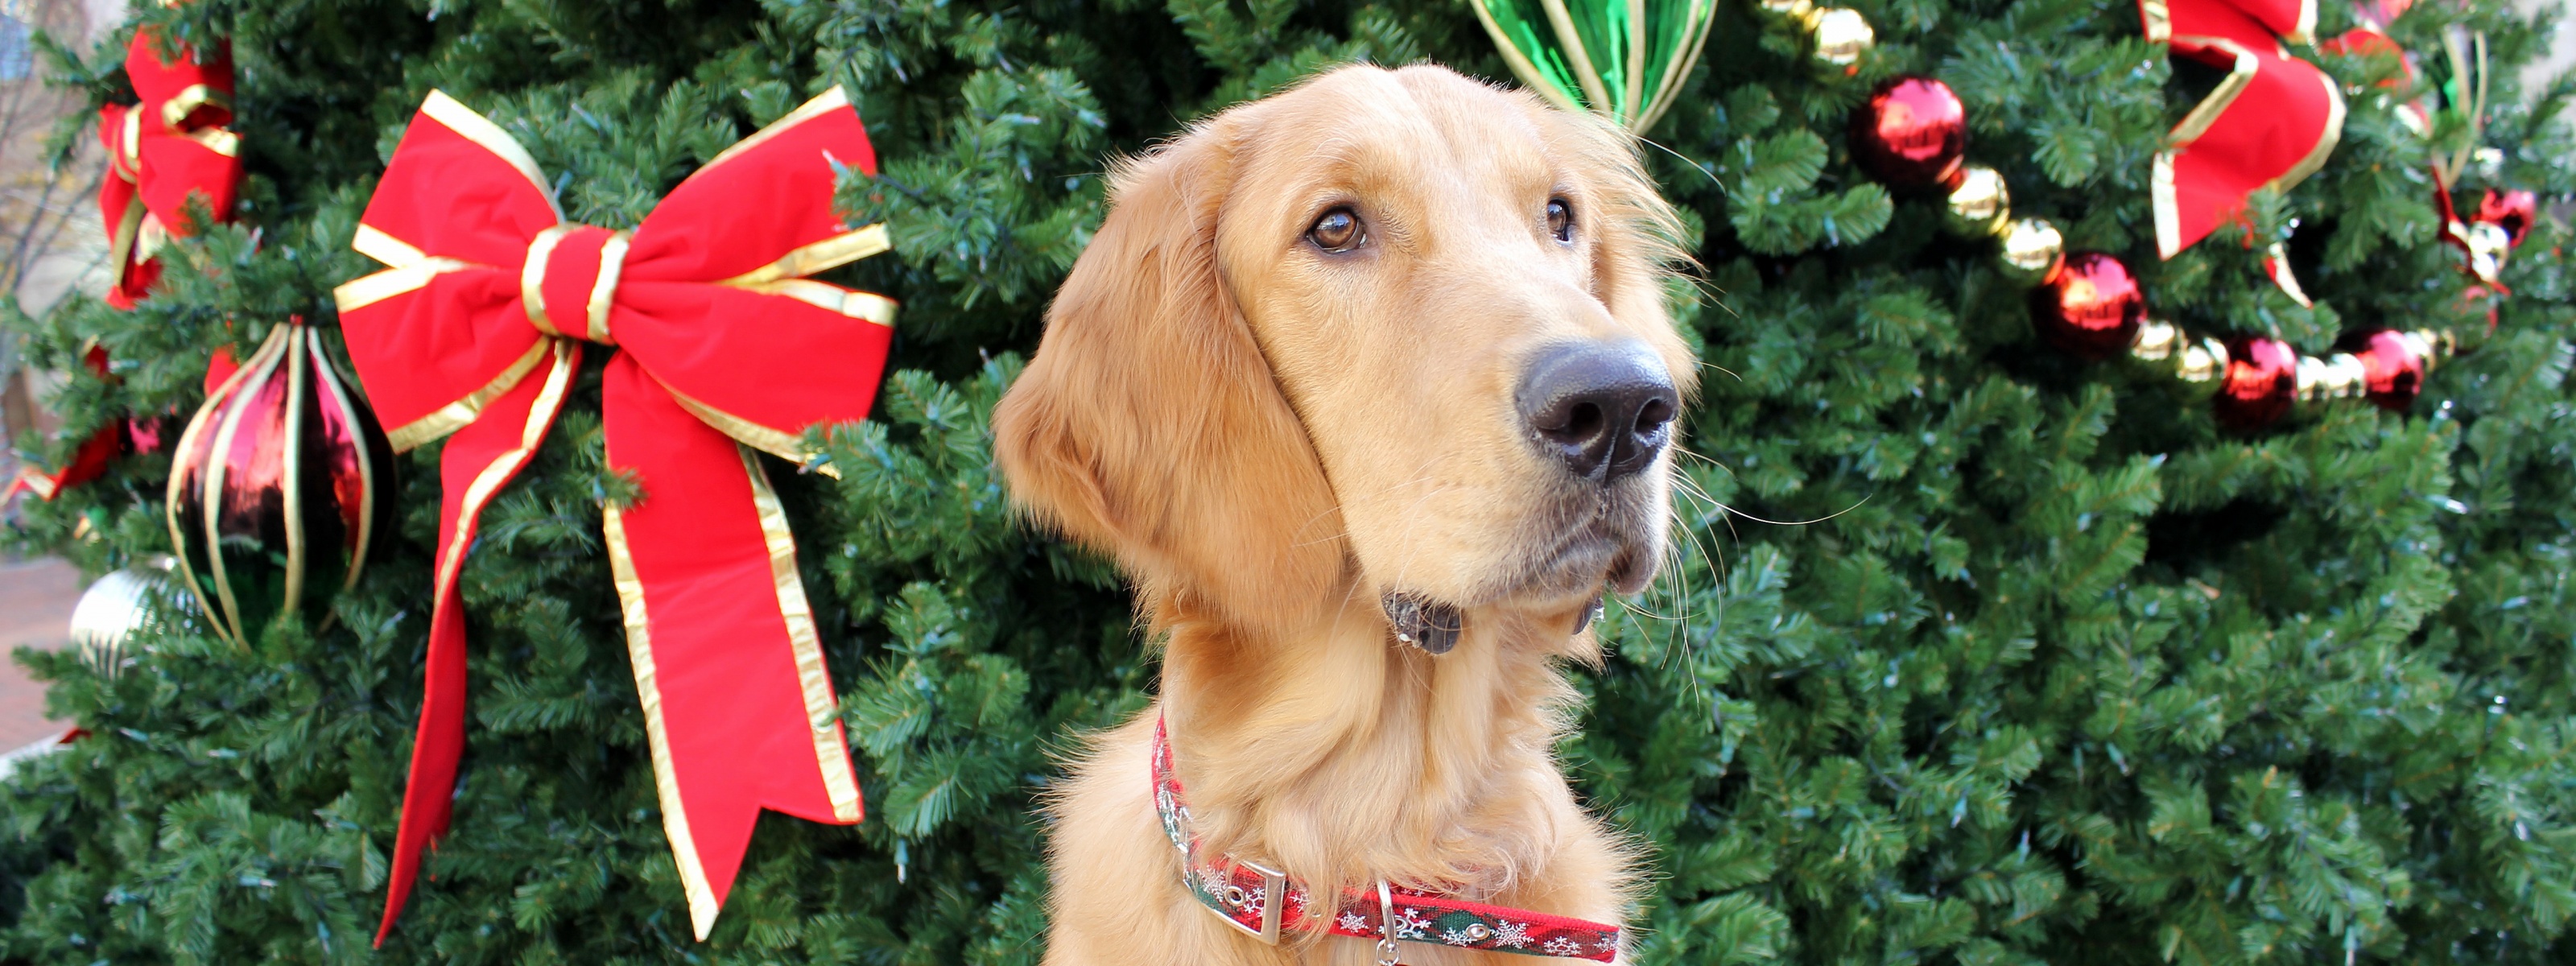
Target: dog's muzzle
1603,410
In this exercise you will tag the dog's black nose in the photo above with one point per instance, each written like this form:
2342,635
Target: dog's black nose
1604,409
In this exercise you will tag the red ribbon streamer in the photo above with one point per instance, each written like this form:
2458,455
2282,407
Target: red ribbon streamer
171,145
474,334
87,462
2270,124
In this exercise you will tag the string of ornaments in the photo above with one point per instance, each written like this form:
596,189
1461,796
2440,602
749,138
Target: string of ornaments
2270,124
1912,135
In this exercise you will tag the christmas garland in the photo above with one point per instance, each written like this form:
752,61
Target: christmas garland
2270,123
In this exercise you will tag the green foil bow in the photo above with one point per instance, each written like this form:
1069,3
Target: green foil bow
1624,59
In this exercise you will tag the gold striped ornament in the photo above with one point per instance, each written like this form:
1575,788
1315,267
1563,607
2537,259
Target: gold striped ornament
279,488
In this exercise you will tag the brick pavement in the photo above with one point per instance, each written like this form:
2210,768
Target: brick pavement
36,598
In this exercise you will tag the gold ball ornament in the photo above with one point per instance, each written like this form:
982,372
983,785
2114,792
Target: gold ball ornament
1842,35
1981,205
2336,376
2157,344
2033,251
1793,9
2201,365
2487,243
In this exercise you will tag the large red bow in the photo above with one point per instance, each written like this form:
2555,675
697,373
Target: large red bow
474,335
2270,124
172,145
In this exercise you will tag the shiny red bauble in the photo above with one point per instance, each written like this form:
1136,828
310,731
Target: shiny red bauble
2262,381
1912,133
2392,365
280,488
2512,211
2091,308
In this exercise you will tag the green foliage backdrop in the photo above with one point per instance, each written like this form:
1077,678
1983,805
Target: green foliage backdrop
2059,673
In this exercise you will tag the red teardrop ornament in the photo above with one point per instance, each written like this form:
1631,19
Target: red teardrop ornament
2262,381
2392,365
2091,308
1912,133
279,487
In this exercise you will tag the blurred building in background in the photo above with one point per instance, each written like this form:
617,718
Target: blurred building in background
51,241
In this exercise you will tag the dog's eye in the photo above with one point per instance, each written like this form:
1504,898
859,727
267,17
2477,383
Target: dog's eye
1560,219
1339,230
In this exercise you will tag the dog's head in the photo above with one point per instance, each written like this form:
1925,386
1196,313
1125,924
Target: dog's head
1392,333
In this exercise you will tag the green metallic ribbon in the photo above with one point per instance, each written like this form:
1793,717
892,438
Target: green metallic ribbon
1623,59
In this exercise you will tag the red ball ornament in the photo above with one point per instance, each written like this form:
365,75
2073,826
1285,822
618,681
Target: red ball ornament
1912,133
2392,365
2262,381
2091,308
2512,211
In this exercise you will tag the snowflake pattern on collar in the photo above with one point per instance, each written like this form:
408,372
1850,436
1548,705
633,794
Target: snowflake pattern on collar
1244,895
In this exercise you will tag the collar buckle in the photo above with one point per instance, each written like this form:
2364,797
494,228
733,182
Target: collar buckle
1238,891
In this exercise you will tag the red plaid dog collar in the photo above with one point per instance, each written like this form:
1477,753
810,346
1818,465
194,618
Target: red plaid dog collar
1263,902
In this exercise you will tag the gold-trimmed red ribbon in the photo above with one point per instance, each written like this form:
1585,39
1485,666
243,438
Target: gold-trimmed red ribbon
173,144
87,462
2270,124
473,334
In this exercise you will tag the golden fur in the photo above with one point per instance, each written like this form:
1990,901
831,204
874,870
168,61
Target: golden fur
1268,439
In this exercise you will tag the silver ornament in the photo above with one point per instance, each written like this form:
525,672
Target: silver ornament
111,610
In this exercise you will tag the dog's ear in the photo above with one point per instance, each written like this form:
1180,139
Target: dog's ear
1149,425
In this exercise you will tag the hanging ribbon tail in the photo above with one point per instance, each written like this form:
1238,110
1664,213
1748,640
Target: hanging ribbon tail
2270,124
479,459
2276,265
737,702
445,351
720,330
120,210
88,462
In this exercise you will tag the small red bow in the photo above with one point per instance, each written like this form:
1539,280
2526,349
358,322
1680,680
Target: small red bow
2270,124
172,145
724,347
160,151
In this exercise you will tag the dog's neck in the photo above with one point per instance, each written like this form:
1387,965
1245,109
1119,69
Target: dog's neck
1344,757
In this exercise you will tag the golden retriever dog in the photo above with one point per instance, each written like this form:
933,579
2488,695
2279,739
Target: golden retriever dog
1369,387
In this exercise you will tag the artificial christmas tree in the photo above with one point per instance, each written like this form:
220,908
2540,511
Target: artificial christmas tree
2060,669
